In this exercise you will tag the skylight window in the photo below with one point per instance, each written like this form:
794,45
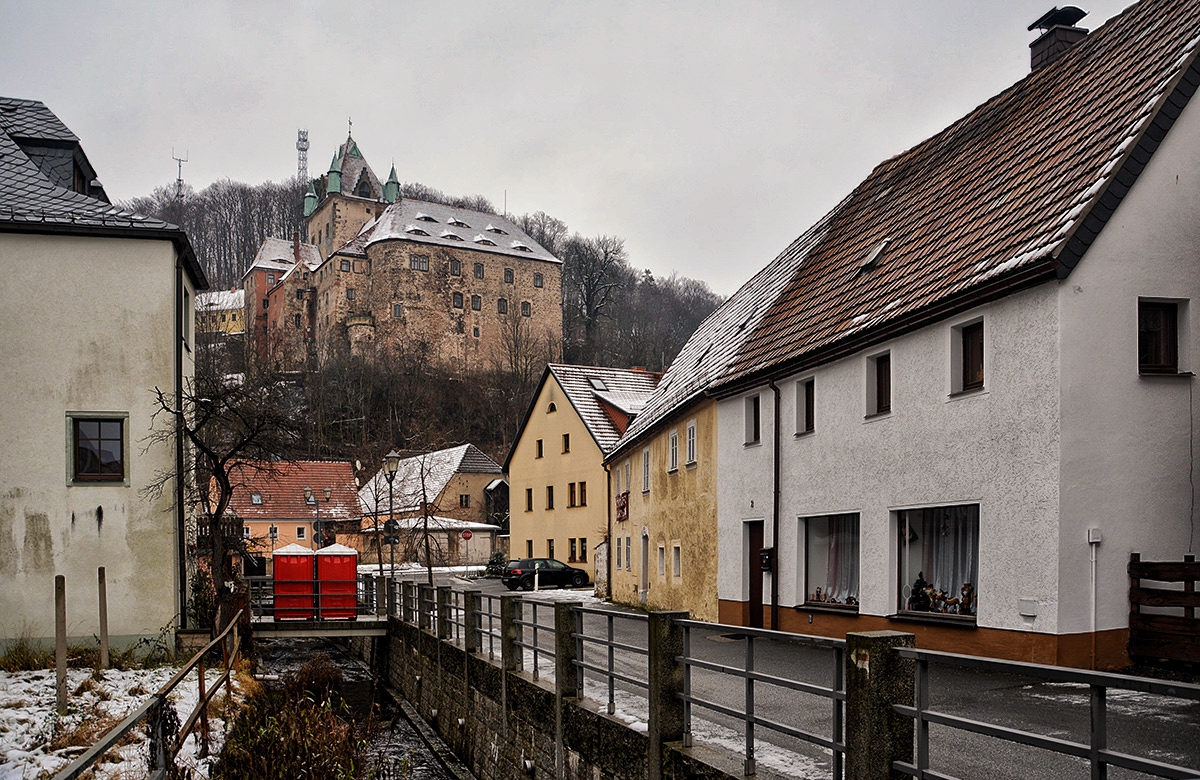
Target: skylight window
451,236
482,239
872,259
256,499
494,229
520,247
414,230
597,384
423,217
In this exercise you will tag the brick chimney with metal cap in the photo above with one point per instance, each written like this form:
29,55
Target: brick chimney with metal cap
1058,36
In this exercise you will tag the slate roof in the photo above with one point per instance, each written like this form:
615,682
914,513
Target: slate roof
1010,195
438,225
31,202
354,168
277,254
283,492
436,467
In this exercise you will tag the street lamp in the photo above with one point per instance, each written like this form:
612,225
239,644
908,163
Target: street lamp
391,462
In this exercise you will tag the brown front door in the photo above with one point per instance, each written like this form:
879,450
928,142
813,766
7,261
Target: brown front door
756,576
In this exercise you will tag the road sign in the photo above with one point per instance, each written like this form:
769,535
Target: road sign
467,534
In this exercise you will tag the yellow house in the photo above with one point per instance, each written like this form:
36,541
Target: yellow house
577,415
222,311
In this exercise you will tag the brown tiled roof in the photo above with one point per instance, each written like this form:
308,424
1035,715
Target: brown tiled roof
282,491
1010,195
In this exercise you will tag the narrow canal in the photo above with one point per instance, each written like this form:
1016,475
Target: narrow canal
396,751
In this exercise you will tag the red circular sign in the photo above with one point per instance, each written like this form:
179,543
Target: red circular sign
467,534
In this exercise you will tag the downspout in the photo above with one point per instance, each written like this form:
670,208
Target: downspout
180,531
775,510
608,559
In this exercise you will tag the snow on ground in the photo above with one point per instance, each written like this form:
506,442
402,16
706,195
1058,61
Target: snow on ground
31,730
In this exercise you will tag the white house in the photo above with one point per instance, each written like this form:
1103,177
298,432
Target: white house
95,313
973,400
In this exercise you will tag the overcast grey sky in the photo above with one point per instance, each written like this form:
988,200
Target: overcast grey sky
706,134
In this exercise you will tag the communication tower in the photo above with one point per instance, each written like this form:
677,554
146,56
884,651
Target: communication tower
302,154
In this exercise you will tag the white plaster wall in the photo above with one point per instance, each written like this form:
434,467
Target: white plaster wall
86,324
997,447
1127,439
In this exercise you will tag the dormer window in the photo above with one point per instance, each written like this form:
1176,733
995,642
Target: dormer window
482,239
496,230
520,247
456,222
451,236
423,217
256,499
414,230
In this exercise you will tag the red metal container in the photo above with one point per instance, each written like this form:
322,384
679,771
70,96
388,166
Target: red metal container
293,583
337,580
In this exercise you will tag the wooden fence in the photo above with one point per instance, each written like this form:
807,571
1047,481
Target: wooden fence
1162,635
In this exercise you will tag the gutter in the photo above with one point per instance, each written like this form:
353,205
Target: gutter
775,450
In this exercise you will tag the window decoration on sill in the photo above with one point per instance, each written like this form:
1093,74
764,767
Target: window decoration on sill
942,545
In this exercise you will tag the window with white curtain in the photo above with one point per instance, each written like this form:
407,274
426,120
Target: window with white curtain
939,559
831,560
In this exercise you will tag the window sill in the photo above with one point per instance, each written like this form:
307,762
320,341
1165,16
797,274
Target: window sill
802,434
673,471
750,444
1166,374
834,609
967,393
935,618
877,416
690,466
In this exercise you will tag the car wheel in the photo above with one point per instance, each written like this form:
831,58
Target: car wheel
579,579
527,583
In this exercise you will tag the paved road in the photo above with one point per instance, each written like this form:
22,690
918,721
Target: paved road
1160,728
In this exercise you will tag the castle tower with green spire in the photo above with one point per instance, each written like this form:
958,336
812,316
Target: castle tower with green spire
346,197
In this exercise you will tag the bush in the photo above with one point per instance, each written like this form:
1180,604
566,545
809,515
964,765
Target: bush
495,565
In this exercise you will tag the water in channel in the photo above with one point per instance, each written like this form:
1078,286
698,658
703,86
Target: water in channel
394,746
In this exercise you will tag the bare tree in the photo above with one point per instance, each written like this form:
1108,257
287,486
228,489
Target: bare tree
232,425
593,271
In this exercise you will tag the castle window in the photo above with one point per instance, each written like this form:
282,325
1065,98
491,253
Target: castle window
415,231
526,309
349,293
364,191
457,222
458,300
479,270
397,310
451,236
270,278
502,306
344,265
476,333
520,247
537,280
423,217
494,229
297,320
482,239
476,303
508,276
418,262
455,267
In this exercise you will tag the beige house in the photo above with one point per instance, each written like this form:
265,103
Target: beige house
79,403
577,415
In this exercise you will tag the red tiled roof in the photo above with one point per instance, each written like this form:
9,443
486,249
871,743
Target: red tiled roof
283,495
1010,195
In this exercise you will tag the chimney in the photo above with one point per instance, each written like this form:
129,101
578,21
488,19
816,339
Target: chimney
1059,34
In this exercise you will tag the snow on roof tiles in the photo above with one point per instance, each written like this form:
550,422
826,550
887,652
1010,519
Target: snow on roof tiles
626,388
434,469
282,485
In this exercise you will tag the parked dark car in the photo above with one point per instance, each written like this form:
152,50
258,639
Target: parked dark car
550,574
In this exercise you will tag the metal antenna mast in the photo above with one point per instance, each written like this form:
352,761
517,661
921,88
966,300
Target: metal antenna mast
302,154
179,176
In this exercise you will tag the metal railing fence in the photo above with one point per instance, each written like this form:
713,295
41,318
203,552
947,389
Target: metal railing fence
534,626
834,693
608,672
1096,752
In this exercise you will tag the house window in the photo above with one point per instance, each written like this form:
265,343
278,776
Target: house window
508,276
266,303
618,479
549,548
971,339
529,500
619,553
349,293
939,559
566,442
397,310
676,560
753,420
628,477
245,532
1158,337
538,444
628,552
455,267
646,470
691,443
537,280
526,309
583,494
806,406
273,532
528,548
300,532
270,278
479,270
571,494
502,306
583,549
256,499
549,496
464,500
831,559
572,549
662,561
344,265
879,384
418,262
457,300
99,449
673,451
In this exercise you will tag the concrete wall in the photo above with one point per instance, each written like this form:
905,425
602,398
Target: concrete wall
86,325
